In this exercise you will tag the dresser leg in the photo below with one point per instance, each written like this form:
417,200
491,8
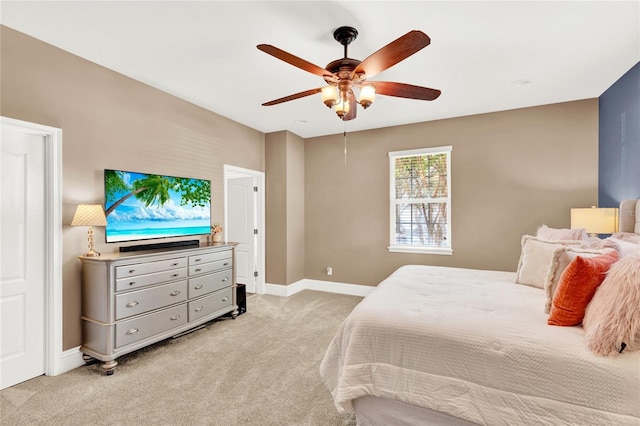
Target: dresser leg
109,367
234,314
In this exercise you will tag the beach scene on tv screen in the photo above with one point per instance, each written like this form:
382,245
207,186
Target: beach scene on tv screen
142,206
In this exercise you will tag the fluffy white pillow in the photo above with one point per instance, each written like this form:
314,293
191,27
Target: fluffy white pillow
561,234
613,315
560,259
535,259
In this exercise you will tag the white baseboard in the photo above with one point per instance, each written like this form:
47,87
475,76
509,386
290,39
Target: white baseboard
71,358
317,285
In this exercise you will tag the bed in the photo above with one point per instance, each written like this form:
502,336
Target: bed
444,346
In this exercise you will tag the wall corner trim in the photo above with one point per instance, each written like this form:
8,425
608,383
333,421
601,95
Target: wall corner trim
318,285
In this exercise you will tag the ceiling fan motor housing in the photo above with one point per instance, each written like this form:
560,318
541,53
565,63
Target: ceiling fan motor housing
343,68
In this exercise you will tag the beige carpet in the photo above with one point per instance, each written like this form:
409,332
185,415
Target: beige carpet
260,369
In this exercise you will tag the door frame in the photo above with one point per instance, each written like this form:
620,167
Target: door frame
53,240
231,172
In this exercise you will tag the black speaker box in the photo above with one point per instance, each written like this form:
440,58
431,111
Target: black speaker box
241,298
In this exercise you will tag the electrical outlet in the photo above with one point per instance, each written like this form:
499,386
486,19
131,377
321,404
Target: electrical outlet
329,270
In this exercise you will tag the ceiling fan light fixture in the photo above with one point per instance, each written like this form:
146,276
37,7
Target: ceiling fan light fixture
367,96
329,95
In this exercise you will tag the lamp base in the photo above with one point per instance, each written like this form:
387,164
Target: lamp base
91,253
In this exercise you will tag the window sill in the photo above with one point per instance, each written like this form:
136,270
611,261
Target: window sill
420,250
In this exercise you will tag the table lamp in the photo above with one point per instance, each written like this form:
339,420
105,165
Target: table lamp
595,220
89,215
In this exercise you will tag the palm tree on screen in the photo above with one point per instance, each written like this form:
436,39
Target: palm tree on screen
154,189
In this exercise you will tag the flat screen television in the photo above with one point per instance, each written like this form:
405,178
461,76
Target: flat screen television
141,206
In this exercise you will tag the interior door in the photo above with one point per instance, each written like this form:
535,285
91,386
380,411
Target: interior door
241,223
22,254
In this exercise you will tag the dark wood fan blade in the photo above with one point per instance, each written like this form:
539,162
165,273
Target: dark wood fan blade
402,90
294,96
392,53
295,61
353,107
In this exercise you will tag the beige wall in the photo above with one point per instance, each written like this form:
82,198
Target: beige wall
285,217
111,121
276,208
511,172
295,209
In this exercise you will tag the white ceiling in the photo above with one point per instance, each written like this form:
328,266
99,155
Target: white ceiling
484,56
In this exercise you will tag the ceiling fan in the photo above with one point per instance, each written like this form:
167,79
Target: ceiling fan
345,74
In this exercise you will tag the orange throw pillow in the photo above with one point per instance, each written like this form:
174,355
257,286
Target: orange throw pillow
578,283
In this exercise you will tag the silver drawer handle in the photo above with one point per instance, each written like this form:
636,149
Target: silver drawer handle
199,309
197,260
175,293
132,331
131,271
225,299
198,287
132,283
199,269
175,317
132,304
225,279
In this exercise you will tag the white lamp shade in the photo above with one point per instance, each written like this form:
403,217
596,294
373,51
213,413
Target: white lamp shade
89,215
595,220
367,94
329,95
342,107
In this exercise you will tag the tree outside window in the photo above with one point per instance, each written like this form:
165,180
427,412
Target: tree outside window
420,200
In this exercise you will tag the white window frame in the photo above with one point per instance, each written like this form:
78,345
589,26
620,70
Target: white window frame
424,249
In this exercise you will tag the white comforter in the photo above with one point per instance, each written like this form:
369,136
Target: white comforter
475,345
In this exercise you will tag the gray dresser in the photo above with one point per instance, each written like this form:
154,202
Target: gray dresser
131,300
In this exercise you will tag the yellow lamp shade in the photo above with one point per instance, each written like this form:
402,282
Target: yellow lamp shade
595,220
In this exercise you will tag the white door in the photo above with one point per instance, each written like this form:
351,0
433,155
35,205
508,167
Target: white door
22,254
241,223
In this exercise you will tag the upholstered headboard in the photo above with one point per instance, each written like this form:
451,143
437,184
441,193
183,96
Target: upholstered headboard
630,216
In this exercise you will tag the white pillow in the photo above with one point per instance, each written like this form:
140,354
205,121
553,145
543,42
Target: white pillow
625,248
627,236
560,259
535,259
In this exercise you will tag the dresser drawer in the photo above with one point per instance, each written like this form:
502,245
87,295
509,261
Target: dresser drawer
210,267
199,286
143,280
150,267
139,301
209,257
130,331
209,304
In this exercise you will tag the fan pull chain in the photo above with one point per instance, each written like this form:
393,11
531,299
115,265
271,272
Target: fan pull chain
345,143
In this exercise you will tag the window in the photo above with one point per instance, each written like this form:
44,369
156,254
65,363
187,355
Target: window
420,202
